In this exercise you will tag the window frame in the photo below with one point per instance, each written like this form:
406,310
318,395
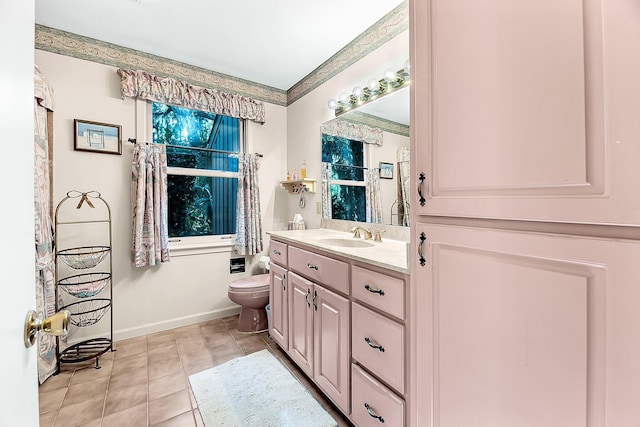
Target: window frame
366,160
193,245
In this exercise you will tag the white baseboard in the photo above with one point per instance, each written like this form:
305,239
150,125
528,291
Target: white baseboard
151,328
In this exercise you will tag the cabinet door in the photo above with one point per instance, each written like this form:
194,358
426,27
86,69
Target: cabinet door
278,305
301,322
526,329
331,326
510,101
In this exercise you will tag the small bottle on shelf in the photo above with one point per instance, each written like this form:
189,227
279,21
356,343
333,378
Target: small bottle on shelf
296,175
288,176
303,169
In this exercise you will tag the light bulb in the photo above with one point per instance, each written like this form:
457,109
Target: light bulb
344,97
389,75
333,104
357,92
373,84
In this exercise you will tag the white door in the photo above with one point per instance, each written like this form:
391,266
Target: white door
19,386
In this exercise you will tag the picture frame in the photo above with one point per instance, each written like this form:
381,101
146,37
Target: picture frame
97,137
386,170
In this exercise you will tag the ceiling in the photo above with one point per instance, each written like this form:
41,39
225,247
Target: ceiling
272,42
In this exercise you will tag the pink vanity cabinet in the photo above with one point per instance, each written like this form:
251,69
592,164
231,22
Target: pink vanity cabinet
278,295
346,330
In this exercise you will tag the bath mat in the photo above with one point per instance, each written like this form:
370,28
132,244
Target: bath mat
255,391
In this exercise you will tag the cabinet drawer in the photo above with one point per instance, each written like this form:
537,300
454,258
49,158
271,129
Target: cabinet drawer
378,290
318,268
370,400
278,253
378,344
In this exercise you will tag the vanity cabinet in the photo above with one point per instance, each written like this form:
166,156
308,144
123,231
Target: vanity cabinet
348,318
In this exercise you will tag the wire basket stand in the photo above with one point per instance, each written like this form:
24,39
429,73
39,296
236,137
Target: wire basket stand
80,290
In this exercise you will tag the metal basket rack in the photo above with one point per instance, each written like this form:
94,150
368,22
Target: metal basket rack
80,290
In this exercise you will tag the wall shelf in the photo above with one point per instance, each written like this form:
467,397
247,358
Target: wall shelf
295,186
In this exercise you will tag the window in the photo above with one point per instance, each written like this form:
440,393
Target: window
346,159
202,160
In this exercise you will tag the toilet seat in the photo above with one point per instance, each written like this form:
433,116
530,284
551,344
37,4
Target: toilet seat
251,284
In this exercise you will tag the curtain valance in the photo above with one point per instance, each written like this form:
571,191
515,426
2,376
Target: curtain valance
354,131
140,84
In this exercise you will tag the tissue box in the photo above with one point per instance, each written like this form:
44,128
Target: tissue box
296,225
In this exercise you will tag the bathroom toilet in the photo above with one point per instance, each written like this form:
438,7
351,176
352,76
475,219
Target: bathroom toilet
252,294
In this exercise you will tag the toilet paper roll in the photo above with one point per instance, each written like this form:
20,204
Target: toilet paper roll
264,262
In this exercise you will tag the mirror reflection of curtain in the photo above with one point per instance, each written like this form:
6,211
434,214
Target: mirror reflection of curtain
374,203
45,259
403,186
326,190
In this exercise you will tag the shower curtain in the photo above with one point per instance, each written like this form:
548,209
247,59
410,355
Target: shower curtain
372,193
149,205
44,256
248,220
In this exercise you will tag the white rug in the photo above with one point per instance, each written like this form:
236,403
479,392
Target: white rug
255,391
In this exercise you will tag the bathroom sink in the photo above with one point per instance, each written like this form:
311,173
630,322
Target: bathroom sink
345,242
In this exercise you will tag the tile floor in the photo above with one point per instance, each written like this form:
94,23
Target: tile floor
145,381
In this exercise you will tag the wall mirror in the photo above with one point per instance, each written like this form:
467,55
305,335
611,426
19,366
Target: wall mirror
353,188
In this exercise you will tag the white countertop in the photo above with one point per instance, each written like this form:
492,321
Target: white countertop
391,254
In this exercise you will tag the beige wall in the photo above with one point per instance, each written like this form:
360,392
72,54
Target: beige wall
190,288
305,116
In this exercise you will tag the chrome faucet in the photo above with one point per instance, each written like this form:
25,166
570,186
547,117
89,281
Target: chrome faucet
360,231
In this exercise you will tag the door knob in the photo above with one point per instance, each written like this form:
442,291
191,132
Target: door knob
58,324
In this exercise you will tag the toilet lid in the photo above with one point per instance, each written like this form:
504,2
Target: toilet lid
251,284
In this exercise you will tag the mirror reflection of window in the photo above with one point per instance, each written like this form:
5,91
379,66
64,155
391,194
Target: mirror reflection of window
344,168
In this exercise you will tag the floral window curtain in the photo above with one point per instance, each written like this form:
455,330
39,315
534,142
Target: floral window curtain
140,84
149,205
249,222
374,203
44,256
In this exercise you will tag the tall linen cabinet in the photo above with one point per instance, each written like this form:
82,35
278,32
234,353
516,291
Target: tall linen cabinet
525,247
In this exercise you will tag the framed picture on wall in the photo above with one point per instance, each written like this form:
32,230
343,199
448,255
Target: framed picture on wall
97,137
386,170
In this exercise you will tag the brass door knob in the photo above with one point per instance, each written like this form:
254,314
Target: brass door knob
58,324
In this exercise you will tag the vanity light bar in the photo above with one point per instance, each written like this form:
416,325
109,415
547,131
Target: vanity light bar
374,90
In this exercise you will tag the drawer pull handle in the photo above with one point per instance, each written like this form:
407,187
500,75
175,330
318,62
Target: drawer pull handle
421,179
372,345
374,291
306,297
311,266
373,414
422,260
277,252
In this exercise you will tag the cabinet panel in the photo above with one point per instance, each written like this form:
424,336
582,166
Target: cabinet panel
301,322
278,252
331,345
374,404
514,328
278,304
508,119
377,343
321,269
378,290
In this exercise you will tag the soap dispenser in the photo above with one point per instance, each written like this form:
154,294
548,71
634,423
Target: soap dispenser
303,169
